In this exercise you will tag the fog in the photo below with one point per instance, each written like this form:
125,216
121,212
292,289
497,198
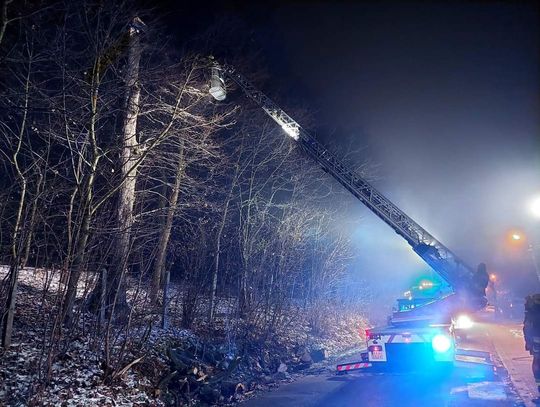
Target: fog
445,100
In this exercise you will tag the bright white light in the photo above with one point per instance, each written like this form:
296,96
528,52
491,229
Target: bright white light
217,85
515,236
291,131
441,343
463,322
535,207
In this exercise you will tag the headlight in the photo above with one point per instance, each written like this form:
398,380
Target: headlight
463,322
441,343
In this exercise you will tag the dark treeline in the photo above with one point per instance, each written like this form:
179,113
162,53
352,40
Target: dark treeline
123,178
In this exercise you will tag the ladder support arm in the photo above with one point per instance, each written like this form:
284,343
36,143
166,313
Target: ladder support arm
450,267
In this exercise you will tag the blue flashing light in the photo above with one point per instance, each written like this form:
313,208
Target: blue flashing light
441,343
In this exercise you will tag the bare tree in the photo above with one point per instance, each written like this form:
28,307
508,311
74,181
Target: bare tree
19,135
188,156
129,163
219,236
159,266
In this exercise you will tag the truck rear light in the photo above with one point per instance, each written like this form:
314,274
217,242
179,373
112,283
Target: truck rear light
371,335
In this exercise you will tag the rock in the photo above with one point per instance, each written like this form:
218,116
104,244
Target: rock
306,357
175,357
267,379
282,376
224,364
318,355
282,368
229,388
209,394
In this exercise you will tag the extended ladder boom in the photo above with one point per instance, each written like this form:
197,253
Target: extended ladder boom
433,252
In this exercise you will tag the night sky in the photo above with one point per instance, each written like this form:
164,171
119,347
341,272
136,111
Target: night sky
442,97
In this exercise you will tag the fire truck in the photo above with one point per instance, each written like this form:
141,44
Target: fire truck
417,330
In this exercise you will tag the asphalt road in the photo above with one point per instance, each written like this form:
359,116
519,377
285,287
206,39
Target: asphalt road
389,389
507,339
466,385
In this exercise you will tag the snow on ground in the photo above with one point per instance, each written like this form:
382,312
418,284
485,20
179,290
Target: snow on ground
75,375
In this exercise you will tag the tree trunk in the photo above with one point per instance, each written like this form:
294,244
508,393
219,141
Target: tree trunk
215,273
159,265
78,258
103,298
129,158
64,276
88,210
165,308
8,313
4,20
32,226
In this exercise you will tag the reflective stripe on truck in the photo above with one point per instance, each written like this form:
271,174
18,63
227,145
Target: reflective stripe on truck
352,366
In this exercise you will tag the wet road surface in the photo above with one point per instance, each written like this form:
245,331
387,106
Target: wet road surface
392,389
465,385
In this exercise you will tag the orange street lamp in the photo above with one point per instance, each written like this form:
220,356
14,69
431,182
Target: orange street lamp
516,239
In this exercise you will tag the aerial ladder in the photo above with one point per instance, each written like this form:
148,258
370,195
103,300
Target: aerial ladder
468,285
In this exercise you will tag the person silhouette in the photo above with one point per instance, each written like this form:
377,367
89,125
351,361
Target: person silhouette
531,333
